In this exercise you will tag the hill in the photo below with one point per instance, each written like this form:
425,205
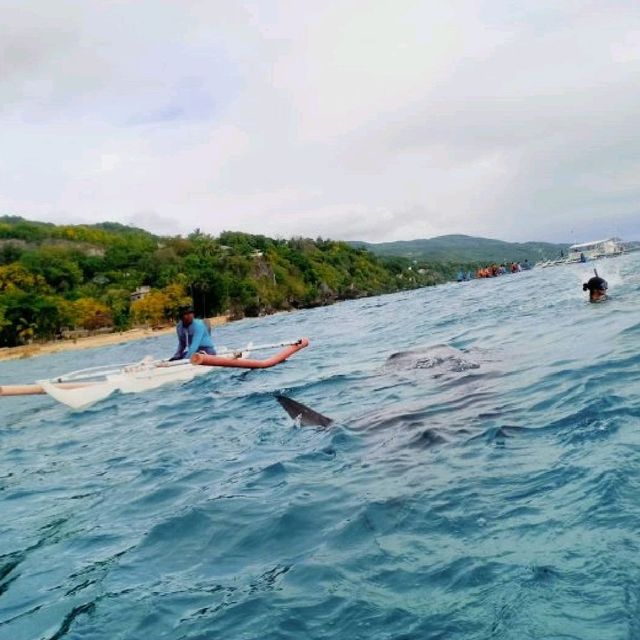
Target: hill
464,249
57,279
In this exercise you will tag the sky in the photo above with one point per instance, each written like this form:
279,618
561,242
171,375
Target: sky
353,119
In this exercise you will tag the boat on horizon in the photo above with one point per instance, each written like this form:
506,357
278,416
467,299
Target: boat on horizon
589,251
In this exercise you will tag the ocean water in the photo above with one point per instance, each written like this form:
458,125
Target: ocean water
489,491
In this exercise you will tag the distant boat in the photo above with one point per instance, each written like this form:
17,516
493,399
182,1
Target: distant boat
586,251
608,248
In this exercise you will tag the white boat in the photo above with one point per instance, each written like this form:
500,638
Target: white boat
586,251
607,248
80,389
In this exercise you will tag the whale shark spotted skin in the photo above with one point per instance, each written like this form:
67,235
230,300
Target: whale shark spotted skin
439,358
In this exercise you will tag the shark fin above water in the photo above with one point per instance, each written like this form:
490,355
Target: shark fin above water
304,415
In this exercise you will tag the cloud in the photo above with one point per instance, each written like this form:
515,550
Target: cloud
284,118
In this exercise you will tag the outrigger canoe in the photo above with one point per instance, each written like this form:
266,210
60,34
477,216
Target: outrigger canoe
80,389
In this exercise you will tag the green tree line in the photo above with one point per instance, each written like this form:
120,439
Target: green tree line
62,277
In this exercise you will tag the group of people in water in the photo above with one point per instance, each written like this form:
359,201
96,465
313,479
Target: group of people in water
494,270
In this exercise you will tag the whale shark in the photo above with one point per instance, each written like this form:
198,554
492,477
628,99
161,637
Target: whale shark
439,362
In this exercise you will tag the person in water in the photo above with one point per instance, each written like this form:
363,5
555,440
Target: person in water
194,336
597,288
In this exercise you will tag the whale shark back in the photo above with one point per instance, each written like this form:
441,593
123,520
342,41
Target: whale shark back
437,358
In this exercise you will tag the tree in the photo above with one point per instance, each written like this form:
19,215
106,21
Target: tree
119,303
28,316
176,297
16,277
91,314
152,309
4,321
207,284
10,251
243,298
56,265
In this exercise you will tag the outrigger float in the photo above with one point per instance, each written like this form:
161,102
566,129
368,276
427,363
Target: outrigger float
80,389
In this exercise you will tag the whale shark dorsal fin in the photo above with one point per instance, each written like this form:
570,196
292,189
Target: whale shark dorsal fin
301,413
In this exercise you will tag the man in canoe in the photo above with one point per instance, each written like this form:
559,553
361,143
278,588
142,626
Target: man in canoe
194,335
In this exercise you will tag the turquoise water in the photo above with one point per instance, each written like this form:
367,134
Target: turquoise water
499,500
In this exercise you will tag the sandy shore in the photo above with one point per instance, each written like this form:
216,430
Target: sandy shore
90,342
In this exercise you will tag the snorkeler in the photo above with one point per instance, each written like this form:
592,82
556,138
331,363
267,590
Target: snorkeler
597,288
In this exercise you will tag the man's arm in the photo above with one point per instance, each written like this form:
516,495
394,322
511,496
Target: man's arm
178,355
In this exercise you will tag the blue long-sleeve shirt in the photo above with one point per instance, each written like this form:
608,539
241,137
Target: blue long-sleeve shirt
196,337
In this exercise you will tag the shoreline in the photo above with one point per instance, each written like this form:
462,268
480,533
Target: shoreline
35,350
91,342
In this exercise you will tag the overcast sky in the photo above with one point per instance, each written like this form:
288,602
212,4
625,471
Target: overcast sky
369,119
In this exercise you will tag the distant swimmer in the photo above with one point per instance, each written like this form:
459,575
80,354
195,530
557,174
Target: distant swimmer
597,288
193,335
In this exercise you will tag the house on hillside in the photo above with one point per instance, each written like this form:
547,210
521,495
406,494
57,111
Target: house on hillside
140,293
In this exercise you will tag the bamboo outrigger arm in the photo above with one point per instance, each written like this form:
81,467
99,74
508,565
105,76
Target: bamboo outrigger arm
36,389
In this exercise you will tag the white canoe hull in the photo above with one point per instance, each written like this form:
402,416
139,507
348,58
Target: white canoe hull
132,381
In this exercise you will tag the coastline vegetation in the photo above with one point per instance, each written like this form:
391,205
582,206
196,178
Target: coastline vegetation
58,278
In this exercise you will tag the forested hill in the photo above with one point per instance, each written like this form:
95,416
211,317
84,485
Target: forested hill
461,248
56,278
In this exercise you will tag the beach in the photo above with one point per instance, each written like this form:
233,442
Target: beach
91,342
